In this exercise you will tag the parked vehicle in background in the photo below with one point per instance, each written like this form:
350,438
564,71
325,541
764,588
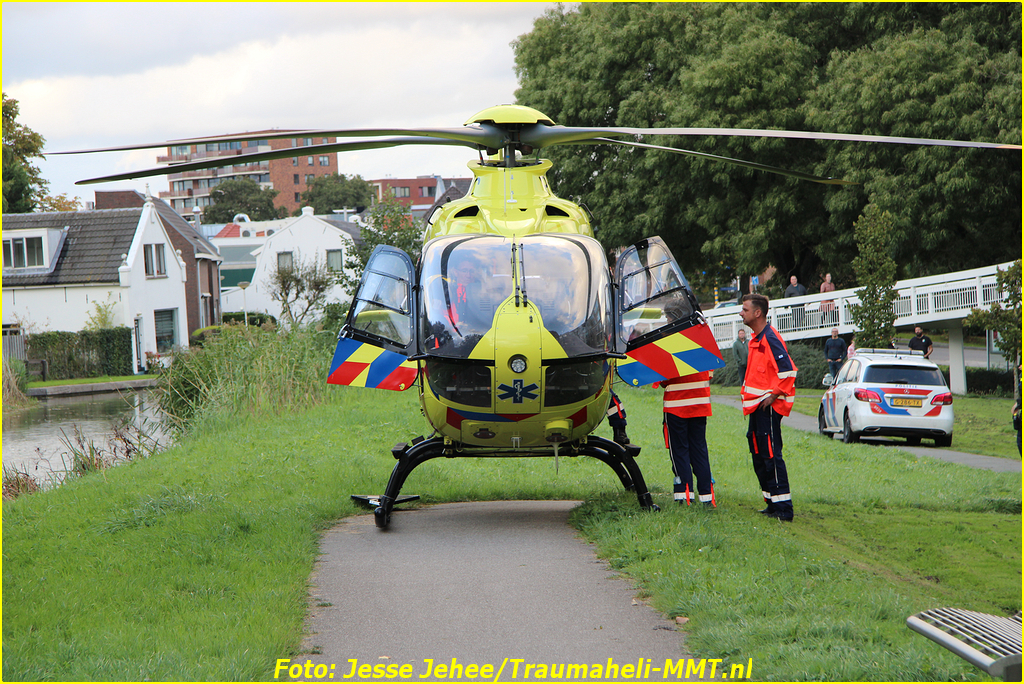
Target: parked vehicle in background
888,393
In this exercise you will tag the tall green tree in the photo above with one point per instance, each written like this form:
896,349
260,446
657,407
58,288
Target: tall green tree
875,267
242,196
24,188
337,191
389,223
911,69
1004,317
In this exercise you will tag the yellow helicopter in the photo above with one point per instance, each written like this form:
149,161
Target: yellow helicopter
511,322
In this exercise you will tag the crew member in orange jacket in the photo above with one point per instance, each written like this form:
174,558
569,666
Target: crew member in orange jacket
768,391
687,405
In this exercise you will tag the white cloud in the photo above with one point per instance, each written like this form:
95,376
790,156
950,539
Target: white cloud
336,65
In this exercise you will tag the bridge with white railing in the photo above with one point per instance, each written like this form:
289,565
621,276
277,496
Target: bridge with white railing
940,301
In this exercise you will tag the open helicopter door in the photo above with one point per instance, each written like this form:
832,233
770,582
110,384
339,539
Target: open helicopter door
658,321
378,337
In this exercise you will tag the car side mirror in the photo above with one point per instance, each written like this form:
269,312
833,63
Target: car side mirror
827,380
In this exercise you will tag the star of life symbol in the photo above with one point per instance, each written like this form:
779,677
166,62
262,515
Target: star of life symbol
517,392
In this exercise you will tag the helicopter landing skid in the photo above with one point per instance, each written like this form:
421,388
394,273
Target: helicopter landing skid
617,457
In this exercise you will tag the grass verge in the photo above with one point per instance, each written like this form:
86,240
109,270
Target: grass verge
193,564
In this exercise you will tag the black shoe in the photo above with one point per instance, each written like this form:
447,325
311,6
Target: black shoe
619,436
784,516
769,510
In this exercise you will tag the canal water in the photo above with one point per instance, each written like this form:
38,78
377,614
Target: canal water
34,438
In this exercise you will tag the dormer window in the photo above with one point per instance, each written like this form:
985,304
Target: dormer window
24,252
155,260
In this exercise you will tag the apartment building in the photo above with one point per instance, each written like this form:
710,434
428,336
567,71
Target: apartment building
290,176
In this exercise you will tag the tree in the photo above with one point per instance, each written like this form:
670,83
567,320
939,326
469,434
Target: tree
914,69
337,191
301,290
876,270
24,187
1005,317
241,196
389,223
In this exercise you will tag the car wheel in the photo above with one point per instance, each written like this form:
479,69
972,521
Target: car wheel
849,436
913,441
821,424
944,441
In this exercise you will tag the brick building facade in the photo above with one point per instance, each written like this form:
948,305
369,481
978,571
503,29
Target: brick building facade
289,176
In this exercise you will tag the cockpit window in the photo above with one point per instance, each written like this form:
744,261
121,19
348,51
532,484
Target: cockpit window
567,279
463,280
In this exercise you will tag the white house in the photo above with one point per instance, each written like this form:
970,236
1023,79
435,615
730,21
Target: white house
296,240
59,267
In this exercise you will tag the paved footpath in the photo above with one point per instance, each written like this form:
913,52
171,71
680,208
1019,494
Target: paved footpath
483,583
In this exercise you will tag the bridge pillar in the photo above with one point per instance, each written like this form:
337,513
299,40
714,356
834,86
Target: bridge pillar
957,369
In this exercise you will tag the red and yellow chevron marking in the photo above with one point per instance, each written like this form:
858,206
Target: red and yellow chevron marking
688,351
363,365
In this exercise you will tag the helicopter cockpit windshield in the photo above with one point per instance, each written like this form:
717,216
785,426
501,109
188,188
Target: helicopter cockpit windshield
464,280
567,278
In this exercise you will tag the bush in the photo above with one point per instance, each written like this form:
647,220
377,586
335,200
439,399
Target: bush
19,372
998,383
244,369
199,336
85,354
257,319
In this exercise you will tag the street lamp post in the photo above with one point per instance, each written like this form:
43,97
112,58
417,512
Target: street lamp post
245,311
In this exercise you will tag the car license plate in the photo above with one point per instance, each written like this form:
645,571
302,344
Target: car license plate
905,401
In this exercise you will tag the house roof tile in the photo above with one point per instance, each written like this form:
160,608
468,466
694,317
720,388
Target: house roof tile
92,251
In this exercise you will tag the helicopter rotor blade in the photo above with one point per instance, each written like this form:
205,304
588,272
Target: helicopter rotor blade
482,135
540,136
238,160
715,157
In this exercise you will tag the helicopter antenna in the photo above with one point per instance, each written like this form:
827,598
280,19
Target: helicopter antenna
522,275
514,276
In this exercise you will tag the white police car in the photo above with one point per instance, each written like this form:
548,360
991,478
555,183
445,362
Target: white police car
888,392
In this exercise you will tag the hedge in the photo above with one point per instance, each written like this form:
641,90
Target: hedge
85,354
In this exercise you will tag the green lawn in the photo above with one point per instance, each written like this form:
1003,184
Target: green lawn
194,564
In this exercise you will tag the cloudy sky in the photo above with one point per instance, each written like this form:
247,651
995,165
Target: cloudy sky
91,75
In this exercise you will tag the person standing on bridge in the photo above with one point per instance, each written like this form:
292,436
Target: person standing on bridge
920,342
768,391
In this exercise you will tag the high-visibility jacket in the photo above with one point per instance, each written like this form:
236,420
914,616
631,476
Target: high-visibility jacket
770,370
688,396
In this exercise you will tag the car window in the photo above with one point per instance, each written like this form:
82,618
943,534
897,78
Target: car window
849,372
903,375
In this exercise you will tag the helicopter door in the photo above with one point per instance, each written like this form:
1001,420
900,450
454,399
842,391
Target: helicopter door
658,320
378,335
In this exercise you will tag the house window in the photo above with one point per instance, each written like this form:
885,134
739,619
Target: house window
295,178
297,198
284,261
307,141
155,260
334,260
310,177
428,191
400,191
165,327
24,252
325,160
295,161
309,161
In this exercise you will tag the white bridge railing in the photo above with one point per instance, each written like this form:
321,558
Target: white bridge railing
946,298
